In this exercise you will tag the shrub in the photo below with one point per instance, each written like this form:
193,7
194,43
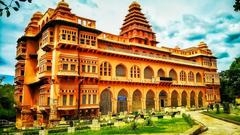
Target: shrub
32,132
148,122
133,125
217,108
188,119
57,130
226,107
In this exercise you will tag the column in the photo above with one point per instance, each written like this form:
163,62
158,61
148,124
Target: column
180,100
196,101
188,100
157,106
169,100
129,104
114,106
143,104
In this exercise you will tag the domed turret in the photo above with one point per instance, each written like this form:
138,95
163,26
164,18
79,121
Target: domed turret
202,45
63,4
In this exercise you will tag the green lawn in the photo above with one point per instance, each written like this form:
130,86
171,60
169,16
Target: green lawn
234,116
175,125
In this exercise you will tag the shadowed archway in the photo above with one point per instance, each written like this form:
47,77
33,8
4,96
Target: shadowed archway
184,98
200,99
150,103
163,99
122,101
106,101
137,101
174,99
192,99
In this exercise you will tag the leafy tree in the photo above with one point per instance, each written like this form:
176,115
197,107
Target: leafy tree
14,4
230,82
237,5
7,111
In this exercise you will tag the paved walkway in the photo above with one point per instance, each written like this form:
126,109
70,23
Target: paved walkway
215,126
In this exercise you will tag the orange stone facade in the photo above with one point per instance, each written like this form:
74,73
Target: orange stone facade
68,68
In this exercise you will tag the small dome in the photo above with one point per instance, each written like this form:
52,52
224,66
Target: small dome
134,5
62,3
202,45
38,14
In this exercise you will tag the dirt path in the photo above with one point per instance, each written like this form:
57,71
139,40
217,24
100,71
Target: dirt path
216,126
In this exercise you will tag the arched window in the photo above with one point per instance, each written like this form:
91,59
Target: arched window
148,73
120,70
135,72
198,77
161,73
173,74
105,69
190,76
182,76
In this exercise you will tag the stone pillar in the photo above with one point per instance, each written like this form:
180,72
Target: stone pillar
169,100
114,105
143,103
180,100
188,100
129,104
157,106
196,101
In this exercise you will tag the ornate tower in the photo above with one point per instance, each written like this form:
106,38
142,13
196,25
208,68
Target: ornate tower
137,28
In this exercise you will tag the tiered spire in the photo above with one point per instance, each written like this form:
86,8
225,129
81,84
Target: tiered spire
137,28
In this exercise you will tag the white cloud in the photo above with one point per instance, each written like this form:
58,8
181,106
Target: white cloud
174,22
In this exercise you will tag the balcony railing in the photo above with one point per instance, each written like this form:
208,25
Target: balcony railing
113,38
149,56
166,79
67,73
44,74
18,79
21,52
93,75
47,46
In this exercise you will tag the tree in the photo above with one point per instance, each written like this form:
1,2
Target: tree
7,111
237,5
14,4
230,82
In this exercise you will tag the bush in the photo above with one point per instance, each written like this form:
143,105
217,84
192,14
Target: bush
188,119
226,107
217,108
33,132
133,125
57,130
148,122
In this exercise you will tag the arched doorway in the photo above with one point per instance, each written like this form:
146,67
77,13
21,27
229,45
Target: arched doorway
184,98
122,101
163,99
174,99
106,101
137,101
200,100
150,103
192,99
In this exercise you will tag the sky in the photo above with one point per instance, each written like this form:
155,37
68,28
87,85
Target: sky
182,23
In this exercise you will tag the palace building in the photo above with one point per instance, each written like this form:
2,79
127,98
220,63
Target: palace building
68,68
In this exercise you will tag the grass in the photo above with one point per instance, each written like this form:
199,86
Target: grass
174,125
235,115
